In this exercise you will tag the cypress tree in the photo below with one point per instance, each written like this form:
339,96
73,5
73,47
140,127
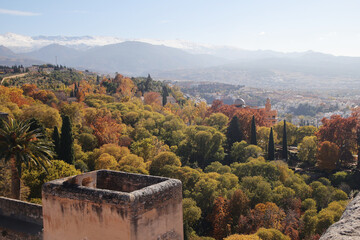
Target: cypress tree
165,93
56,140
67,141
148,83
271,147
284,151
234,133
253,132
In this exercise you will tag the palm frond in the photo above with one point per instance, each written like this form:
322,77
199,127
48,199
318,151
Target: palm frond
25,145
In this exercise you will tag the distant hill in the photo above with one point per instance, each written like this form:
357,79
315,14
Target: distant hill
181,60
6,52
9,58
301,70
50,52
133,58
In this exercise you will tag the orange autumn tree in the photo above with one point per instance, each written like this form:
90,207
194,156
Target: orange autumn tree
29,89
152,98
220,218
125,86
107,130
328,156
105,127
291,224
239,205
342,132
44,96
267,215
14,95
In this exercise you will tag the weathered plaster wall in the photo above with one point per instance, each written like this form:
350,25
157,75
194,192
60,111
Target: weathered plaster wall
158,214
20,220
348,227
66,218
146,208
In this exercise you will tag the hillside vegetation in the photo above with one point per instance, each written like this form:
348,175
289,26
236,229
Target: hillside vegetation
231,189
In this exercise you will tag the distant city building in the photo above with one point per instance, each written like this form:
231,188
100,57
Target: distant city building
48,70
239,103
270,115
33,68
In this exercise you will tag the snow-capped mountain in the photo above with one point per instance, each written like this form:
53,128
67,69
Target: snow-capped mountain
24,44
21,43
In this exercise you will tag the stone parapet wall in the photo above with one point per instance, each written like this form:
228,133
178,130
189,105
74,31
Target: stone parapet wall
20,220
21,210
107,204
348,227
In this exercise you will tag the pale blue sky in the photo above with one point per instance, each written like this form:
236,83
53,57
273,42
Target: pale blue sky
331,26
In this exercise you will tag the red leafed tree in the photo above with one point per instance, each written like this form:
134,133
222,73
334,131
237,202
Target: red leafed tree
44,96
328,156
342,132
29,89
152,98
14,95
107,130
239,205
125,86
80,96
267,215
290,224
244,115
220,218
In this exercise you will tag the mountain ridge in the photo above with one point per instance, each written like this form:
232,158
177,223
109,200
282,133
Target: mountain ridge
229,65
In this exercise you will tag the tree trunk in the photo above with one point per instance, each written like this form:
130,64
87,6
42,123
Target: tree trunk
15,180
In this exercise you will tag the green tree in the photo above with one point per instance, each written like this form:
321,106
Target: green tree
304,131
148,83
217,120
202,146
237,152
308,150
56,140
163,159
253,132
87,141
234,132
20,145
271,147
284,144
67,141
252,151
36,177
165,94
271,234
291,131
192,213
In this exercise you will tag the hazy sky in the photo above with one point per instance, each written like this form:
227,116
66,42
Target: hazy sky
331,26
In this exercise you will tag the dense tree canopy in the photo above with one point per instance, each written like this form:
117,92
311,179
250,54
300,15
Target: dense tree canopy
233,186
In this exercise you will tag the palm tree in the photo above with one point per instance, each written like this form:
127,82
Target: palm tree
20,145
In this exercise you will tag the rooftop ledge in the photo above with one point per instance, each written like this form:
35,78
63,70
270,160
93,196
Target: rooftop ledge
107,204
110,186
